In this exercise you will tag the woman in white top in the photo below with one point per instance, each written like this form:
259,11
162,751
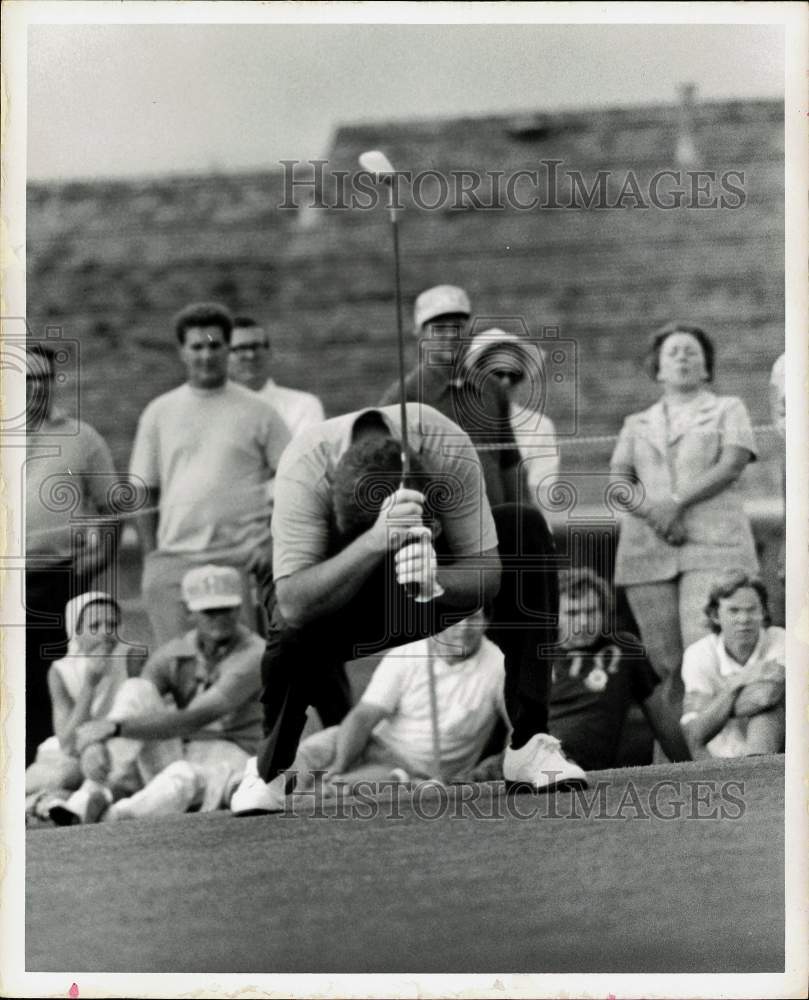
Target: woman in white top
82,686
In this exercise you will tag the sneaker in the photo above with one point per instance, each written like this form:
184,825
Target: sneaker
541,766
86,805
254,796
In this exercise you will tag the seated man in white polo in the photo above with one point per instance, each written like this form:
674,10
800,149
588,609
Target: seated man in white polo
734,679
389,732
191,753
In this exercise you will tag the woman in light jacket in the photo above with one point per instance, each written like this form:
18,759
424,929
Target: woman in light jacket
687,452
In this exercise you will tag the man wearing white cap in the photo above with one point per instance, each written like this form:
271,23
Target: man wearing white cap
192,754
441,315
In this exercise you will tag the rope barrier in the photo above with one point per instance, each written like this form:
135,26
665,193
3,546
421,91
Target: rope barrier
560,445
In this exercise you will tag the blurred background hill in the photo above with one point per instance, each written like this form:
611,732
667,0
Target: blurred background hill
110,262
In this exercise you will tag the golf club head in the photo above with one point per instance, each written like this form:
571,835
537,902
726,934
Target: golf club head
376,163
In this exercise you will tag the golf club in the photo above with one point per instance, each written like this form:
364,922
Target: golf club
377,164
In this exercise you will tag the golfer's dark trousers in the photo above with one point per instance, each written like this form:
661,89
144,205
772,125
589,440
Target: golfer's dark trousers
523,621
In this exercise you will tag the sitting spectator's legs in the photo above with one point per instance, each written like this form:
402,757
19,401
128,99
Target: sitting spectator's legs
137,696
220,765
766,731
52,769
178,787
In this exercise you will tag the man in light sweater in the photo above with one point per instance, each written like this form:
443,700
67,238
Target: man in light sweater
204,458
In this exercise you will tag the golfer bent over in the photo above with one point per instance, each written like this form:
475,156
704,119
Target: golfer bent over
353,574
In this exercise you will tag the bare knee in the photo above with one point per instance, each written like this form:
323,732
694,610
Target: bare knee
766,731
48,777
184,776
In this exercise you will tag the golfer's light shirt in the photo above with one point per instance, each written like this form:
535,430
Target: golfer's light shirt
707,664
303,528
469,696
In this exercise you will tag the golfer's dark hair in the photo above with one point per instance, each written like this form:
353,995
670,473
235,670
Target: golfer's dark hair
366,475
44,352
726,586
659,337
583,580
203,314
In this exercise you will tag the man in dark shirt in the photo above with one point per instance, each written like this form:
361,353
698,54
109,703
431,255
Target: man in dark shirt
598,675
478,405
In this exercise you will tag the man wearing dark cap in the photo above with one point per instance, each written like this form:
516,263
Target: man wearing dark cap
362,564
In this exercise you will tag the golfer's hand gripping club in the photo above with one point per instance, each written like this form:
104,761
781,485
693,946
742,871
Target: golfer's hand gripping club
417,567
399,528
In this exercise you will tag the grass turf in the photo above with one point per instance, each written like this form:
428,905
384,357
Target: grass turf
311,892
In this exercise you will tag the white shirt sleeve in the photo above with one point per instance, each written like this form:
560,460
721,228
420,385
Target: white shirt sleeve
145,461
387,683
700,667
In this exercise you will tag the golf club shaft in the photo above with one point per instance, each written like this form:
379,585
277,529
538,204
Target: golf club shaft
400,336
434,713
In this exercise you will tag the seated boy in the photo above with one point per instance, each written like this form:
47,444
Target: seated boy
735,678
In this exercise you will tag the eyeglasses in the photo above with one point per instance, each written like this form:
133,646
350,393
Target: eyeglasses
249,348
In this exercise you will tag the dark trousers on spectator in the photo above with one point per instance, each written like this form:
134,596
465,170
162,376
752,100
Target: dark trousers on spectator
48,588
523,620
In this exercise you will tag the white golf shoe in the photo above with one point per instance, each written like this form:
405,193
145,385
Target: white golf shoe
542,765
86,805
255,796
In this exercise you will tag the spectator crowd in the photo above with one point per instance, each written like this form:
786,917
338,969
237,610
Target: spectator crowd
278,545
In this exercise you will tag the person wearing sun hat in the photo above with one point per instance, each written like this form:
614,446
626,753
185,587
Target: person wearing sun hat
518,365
186,756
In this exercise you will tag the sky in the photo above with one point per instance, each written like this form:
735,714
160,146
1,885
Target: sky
128,100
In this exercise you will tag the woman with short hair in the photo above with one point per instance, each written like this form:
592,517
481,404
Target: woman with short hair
686,452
